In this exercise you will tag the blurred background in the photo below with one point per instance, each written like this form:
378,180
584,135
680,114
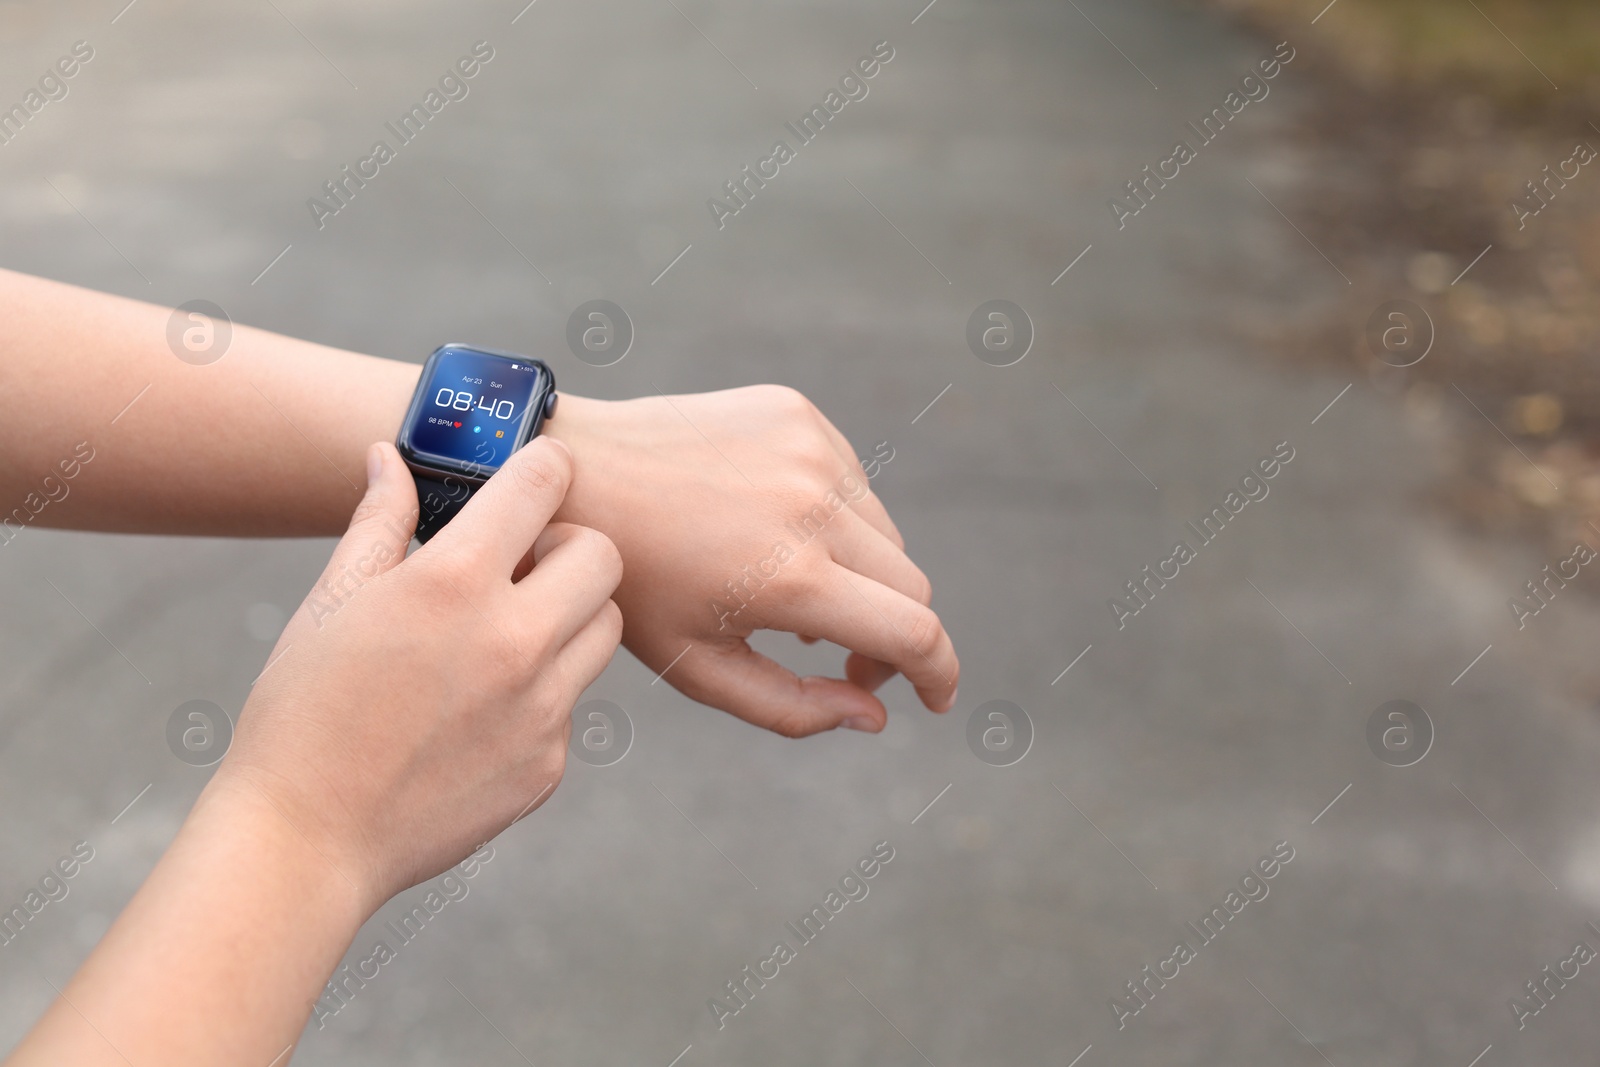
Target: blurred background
1137,771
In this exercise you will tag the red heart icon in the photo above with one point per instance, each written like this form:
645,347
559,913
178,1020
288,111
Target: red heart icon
458,425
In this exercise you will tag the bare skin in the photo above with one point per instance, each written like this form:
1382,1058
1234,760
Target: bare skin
385,743
695,491
411,713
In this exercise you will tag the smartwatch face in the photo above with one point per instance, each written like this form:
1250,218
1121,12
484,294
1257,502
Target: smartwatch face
473,409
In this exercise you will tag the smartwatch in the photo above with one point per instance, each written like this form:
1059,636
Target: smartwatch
473,407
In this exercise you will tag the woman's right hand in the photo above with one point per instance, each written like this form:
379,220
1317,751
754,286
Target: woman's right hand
415,708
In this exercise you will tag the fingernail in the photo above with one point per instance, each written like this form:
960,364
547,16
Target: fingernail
860,722
954,694
374,464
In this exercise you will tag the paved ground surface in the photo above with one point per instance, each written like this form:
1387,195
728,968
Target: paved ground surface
1174,754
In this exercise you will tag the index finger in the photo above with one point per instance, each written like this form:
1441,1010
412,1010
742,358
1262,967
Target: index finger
506,515
882,624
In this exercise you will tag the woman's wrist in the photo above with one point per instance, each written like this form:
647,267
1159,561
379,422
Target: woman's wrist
283,847
593,430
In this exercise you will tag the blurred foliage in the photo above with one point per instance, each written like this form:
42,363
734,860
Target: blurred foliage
1431,117
1492,45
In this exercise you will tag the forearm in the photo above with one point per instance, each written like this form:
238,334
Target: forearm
733,511
219,957
269,440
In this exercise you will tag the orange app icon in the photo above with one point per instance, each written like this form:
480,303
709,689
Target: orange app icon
499,433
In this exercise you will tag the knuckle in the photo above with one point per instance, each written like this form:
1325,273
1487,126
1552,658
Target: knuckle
559,531
921,590
557,768
369,510
611,620
540,472
544,774
786,399
812,581
791,724
925,634
819,462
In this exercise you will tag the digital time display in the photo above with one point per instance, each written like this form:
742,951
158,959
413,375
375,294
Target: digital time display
473,409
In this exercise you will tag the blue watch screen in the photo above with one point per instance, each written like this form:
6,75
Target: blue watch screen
473,408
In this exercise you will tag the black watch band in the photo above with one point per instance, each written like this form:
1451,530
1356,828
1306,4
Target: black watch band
438,501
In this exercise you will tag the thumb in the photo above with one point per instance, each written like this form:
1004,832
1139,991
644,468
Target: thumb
381,526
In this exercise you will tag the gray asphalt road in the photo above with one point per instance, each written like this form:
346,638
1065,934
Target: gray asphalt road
1175,753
